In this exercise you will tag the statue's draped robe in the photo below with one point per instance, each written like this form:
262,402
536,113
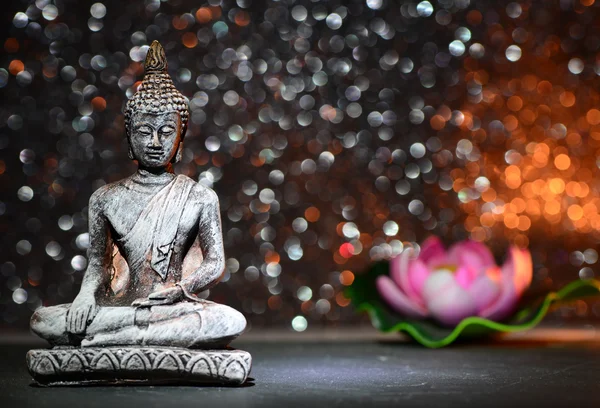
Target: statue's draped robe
143,255
143,260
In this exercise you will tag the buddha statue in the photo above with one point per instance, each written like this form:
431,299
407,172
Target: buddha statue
155,242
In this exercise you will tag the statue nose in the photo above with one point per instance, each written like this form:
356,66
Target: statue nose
155,142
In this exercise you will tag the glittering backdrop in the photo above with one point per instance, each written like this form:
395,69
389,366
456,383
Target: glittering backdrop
334,132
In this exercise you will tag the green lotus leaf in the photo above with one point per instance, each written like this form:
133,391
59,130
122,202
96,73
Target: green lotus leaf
365,297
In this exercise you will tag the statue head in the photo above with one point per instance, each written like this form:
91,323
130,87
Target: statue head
156,116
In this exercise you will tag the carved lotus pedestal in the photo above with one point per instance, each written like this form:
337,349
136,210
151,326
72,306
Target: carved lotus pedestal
138,365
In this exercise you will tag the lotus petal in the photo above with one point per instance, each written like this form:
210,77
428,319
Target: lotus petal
399,267
472,253
397,300
418,273
517,272
485,290
520,267
437,283
504,304
451,304
465,275
433,252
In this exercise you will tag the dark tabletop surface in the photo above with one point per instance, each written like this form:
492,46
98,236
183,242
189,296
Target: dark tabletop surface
546,368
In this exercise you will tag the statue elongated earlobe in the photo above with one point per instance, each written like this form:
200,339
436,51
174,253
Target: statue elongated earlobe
179,154
129,150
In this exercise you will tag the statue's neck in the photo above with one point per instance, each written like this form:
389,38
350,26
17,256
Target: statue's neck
153,177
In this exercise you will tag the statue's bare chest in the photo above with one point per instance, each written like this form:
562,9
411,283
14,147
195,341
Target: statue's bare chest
128,205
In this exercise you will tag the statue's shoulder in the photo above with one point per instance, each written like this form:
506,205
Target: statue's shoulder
102,194
200,192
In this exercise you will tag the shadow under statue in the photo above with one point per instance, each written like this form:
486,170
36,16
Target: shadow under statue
155,241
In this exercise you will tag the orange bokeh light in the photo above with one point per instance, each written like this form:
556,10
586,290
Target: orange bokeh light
11,45
342,300
189,40
567,99
575,212
242,18
562,162
513,176
312,214
593,116
99,103
437,122
346,278
514,103
16,66
179,23
511,220
557,186
204,15
552,207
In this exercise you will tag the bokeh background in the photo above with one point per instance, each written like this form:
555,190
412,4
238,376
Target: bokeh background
336,133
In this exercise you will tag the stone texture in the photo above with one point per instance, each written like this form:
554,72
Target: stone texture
156,243
138,365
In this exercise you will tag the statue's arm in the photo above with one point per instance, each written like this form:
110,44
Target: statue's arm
83,310
210,237
96,275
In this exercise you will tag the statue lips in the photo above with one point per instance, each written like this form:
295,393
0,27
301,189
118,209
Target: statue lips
155,154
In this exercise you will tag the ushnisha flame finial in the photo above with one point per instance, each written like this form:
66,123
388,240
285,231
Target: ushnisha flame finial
157,93
156,60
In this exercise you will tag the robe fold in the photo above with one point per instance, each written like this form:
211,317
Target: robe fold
153,235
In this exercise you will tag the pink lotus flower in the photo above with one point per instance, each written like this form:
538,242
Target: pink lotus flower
450,285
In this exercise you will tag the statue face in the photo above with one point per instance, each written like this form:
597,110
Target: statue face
155,138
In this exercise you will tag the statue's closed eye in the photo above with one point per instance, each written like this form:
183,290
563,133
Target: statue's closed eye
166,130
145,130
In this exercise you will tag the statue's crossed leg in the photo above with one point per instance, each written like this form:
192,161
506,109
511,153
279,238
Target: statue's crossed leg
184,324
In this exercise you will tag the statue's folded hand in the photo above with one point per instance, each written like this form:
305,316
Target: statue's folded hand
81,313
162,297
